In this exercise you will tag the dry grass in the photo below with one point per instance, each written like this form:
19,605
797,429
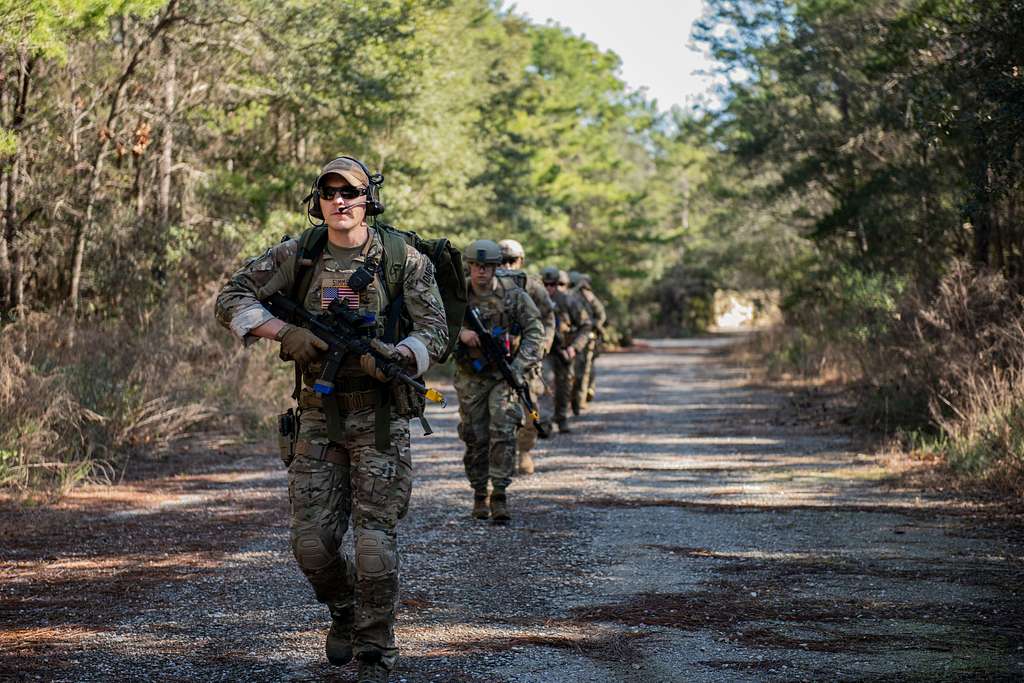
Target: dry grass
942,370
77,409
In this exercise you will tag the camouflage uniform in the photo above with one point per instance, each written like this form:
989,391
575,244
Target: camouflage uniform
489,409
527,437
572,328
329,480
583,382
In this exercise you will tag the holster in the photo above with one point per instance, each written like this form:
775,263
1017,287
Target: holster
287,434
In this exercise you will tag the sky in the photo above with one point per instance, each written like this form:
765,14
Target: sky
651,37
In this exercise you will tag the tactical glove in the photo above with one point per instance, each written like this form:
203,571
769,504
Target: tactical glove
299,344
399,354
519,370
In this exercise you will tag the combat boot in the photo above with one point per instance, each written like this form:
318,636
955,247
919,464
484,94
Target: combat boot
480,509
371,670
339,639
525,463
499,508
563,426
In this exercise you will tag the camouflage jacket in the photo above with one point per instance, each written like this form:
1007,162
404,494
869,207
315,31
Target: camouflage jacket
595,308
239,309
573,323
509,307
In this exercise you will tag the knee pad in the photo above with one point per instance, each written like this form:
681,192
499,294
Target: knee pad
313,552
375,555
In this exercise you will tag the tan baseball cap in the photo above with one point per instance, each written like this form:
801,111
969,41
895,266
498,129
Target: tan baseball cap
348,169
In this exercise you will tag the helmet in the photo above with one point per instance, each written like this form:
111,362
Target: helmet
511,250
563,278
581,280
574,277
482,251
549,275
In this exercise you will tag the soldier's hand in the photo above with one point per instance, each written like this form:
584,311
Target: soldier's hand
399,354
469,338
299,344
570,353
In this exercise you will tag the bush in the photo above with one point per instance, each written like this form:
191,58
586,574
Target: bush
946,364
74,410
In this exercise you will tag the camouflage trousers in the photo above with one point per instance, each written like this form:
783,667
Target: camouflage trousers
489,417
583,368
352,479
565,374
527,437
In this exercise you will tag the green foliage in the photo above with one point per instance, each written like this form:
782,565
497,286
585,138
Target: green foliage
8,143
872,163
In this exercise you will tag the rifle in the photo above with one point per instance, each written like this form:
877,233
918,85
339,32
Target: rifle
346,331
496,355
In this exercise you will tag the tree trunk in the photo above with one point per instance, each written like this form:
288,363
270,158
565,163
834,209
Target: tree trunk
16,278
84,227
5,259
167,151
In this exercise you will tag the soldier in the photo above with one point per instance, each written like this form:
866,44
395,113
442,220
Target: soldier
583,384
572,331
350,454
513,257
489,409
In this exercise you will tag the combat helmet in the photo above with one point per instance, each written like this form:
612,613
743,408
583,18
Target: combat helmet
578,279
482,251
511,250
549,275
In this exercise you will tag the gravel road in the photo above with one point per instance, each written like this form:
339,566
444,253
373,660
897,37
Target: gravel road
690,529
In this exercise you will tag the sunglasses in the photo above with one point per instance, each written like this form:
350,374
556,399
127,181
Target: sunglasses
345,192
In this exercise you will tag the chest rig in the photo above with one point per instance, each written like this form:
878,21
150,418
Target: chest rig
497,311
369,287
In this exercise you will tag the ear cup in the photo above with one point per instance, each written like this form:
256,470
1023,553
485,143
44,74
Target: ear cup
313,204
374,206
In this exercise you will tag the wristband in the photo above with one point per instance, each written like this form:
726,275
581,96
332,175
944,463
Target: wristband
283,331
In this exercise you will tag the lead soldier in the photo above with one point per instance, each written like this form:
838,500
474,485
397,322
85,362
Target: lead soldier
350,455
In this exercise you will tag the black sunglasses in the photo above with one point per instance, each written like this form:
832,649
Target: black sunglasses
346,192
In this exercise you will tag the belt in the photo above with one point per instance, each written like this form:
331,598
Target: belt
320,451
347,400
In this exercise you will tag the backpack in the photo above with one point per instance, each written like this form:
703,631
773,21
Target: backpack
448,272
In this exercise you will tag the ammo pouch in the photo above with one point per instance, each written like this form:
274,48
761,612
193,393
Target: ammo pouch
287,433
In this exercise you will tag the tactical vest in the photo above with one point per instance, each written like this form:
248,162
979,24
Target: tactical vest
451,281
501,322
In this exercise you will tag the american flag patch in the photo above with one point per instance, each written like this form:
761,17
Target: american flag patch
337,289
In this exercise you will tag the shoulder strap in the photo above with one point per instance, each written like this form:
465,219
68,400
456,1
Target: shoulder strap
311,244
393,263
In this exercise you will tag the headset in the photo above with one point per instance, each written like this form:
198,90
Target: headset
374,206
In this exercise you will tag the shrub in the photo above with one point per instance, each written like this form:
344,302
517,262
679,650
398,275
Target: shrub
72,410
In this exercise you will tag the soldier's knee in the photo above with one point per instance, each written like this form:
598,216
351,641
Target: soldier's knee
473,434
314,551
375,555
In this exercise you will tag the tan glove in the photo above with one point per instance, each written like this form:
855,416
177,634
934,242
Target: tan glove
401,354
299,344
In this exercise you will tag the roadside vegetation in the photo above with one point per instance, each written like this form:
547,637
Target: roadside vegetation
881,142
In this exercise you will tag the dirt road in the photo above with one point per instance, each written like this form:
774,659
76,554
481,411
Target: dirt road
688,530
